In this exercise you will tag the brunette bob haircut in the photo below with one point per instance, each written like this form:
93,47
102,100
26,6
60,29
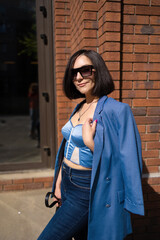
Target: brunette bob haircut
103,80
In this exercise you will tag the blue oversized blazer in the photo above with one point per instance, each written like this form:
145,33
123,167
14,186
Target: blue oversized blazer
116,188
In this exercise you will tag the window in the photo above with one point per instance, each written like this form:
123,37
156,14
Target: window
27,116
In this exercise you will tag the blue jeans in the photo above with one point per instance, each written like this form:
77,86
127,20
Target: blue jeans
71,219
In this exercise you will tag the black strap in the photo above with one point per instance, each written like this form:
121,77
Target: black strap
54,202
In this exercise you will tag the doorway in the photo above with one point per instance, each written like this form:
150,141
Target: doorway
24,110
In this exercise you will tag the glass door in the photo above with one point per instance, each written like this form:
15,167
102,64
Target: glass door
20,143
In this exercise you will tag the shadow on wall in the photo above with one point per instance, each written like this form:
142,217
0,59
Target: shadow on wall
147,227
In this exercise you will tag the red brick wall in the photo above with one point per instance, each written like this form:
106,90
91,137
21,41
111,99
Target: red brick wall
141,70
109,39
62,53
128,38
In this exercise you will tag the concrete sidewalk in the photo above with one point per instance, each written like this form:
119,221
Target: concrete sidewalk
23,215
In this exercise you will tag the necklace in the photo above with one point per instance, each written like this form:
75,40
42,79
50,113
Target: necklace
80,115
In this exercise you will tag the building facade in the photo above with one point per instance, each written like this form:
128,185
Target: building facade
127,35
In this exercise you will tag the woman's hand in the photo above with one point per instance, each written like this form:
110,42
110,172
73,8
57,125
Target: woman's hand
88,132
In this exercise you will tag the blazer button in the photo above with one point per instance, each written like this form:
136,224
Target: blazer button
107,178
108,205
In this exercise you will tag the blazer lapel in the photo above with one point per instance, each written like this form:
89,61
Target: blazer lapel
98,140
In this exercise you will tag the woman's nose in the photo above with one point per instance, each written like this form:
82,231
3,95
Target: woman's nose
79,77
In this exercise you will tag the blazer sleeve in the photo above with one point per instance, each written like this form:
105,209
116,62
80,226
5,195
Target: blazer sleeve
131,160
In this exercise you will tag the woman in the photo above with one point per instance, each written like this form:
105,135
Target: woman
98,166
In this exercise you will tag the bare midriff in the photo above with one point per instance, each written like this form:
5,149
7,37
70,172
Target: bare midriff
75,166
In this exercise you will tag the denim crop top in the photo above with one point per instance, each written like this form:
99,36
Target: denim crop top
75,149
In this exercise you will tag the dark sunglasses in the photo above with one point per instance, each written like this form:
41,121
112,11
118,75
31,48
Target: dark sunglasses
85,71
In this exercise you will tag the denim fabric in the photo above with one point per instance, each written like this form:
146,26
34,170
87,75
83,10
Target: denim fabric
71,219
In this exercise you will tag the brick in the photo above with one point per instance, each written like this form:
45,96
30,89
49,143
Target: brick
155,2
62,12
90,6
150,153
110,7
137,2
127,67
134,19
89,16
141,128
143,145
155,20
89,43
6,182
90,24
59,5
129,9
62,37
151,67
111,56
146,102
127,48
154,76
154,93
153,128
150,137
66,1
115,76
13,187
127,76
153,111
146,85
155,39
109,27
156,188
127,85
89,33
48,184
139,48
140,111
153,145
91,1
146,120
116,84
152,169
112,37
109,46
129,57
128,101
147,10
153,162
59,18
44,179
113,66
62,25
18,181
127,38
114,95
151,30
61,62
110,17
60,31
33,186
154,57
134,94
128,29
